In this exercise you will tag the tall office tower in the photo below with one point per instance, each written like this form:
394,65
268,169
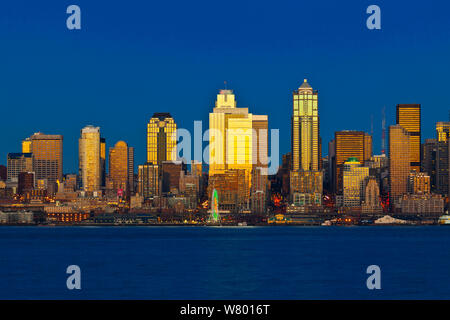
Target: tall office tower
17,163
102,162
408,116
231,138
161,138
89,159
121,162
305,129
354,176
172,171
399,162
47,153
148,180
348,144
443,130
26,145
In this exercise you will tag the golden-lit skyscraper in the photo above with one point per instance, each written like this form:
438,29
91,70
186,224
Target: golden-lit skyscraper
399,162
89,159
102,162
161,139
232,135
47,150
408,116
305,129
442,131
120,160
149,180
348,144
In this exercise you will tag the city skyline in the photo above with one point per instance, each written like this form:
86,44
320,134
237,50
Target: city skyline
86,77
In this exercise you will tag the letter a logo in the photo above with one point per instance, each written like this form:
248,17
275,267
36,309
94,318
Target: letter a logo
374,21
74,281
374,281
74,20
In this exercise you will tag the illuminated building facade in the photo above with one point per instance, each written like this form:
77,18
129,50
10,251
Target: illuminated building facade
161,138
418,183
47,153
306,183
232,189
232,135
354,177
148,180
121,163
443,130
399,162
349,144
17,163
305,129
409,117
89,159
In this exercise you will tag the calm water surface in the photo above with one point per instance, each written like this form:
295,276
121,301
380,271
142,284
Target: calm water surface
224,263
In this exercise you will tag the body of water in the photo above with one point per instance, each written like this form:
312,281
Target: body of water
225,263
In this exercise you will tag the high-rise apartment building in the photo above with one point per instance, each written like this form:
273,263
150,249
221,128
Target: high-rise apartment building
161,138
305,129
409,117
399,162
89,159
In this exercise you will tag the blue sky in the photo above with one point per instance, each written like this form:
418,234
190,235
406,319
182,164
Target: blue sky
133,58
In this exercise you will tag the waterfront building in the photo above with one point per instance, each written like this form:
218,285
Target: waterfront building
399,162
148,180
409,117
231,187
354,178
89,159
307,185
305,129
422,204
47,153
17,163
121,163
161,138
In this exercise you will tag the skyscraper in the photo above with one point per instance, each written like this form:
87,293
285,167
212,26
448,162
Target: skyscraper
120,160
354,177
89,159
348,144
409,117
148,180
305,129
399,162
443,130
232,132
47,153
161,138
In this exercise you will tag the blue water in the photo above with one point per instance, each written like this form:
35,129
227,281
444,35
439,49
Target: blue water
224,263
